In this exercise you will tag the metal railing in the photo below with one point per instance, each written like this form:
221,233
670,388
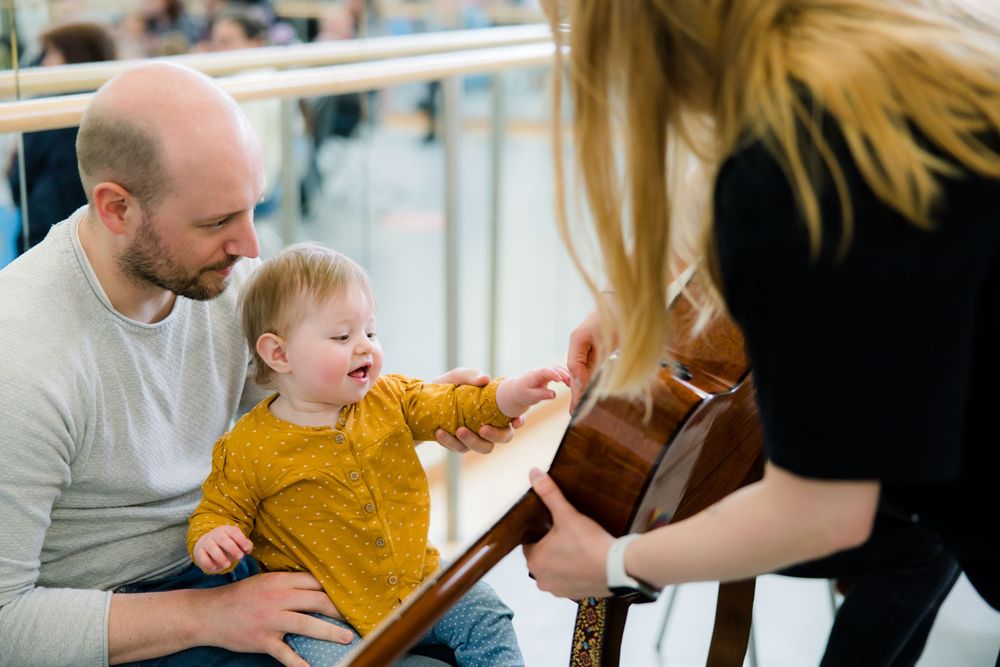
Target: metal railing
88,76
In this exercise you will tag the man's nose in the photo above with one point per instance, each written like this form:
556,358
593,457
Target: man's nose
243,242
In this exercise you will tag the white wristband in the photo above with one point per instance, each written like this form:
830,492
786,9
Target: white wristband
619,581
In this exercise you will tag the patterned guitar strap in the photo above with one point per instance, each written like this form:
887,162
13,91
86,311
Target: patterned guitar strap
588,634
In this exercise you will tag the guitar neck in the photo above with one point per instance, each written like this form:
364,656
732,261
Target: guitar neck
527,521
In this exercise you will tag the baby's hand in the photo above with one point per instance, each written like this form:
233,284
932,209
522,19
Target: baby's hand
516,395
219,548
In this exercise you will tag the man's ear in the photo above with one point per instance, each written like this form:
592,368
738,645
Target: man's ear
271,348
116,207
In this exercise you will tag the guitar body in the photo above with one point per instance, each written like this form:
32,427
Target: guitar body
713,449
717,447
629,473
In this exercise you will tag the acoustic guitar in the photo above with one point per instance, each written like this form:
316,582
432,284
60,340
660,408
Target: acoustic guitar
700,442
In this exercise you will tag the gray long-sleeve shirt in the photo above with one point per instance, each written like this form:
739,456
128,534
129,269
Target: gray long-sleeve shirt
106,437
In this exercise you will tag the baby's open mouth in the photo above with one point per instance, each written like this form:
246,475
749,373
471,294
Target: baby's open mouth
360,373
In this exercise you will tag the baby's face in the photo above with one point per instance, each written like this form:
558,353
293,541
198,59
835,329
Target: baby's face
333,353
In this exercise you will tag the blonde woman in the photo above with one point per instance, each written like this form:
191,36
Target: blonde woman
854,235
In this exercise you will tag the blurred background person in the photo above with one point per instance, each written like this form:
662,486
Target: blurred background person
275,32
51,179
243,26
236,27
168,27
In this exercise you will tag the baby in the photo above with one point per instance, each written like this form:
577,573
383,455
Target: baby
323,476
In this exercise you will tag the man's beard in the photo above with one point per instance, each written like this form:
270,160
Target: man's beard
146,261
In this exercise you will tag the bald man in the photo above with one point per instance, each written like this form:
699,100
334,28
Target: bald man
124,363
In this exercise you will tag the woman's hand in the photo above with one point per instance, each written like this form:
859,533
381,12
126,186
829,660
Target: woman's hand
587,351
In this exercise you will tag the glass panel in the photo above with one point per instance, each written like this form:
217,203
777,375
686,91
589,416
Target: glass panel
380,200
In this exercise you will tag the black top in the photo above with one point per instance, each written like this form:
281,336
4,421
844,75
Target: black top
883,365
52,179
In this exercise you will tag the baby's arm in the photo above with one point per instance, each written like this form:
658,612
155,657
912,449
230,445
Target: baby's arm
218,528
220,548
516,395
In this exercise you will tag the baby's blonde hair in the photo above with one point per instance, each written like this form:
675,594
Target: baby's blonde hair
285,286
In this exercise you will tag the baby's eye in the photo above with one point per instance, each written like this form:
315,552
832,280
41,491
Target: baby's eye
343,338
372,335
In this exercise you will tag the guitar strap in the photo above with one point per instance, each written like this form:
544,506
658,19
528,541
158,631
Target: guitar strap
588,633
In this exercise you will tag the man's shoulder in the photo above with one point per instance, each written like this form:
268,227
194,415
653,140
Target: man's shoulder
45,263
40,292
47,373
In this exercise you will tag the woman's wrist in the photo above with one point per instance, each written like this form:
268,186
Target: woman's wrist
620,577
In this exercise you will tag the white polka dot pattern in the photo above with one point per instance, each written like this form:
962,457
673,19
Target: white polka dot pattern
349,504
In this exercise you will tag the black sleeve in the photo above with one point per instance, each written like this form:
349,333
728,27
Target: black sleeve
860,365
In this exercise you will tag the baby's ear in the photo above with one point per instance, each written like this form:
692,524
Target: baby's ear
271,348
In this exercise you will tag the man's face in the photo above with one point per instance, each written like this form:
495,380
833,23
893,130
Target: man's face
149,260
190,242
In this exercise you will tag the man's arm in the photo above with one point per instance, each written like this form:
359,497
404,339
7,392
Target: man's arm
37,450
251,616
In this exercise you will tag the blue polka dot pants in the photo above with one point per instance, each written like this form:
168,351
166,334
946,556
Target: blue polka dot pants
477,628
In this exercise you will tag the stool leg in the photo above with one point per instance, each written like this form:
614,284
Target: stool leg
833,596
671,599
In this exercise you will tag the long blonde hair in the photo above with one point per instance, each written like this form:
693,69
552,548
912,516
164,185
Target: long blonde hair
640,71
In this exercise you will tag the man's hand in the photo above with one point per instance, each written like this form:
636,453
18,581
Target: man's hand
220,548
250,616
255,614
464,439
